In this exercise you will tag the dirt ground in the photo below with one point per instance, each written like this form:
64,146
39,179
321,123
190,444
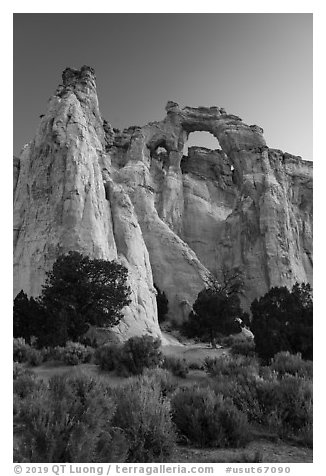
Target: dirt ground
193,353
269,452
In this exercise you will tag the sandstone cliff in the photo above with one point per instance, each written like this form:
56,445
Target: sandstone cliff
172,219
61,201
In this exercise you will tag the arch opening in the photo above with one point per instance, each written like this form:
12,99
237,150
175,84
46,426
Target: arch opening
161,154
201,139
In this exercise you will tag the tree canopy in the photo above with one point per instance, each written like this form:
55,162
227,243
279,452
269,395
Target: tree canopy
78,292
282,320
217,309
214,313
26,314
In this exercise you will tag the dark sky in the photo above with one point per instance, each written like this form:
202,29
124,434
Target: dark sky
257,66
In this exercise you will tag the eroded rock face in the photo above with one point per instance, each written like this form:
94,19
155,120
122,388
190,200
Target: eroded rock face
61,202
172,219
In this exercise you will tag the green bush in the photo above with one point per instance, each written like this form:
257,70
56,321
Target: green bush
231,365
107,356
137,354
179,367
273,397
162,377
75,353
244,347
267,373
51,353
145,416
19,369
20,350
284,405
25,383
112,446
228,341
286,363
208,419
305,435
130,358
23,352
68,421
34,357
291,403
243,393
235,425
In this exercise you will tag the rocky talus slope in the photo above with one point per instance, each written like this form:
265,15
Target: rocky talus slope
171,219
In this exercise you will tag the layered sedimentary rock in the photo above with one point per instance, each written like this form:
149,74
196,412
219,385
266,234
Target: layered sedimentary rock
171,219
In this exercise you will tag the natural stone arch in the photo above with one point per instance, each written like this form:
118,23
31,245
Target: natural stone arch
201,139
158,141
162,155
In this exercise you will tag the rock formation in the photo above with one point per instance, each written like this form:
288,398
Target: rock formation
171,219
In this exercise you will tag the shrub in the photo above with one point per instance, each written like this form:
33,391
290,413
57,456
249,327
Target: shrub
112,446
209,419
25,384
266,373
144,414
75,353
286,363
68,421
34,357
107,356
285,404
243,393
19,369
235,425
89,340
244,347
293,404
231,366
20,350
162,377
179,367
305,435
228,341
137,354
